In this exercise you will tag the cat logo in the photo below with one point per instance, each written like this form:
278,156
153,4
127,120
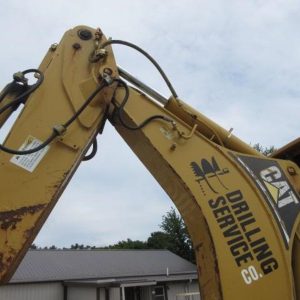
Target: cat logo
209,172
279,189
275,189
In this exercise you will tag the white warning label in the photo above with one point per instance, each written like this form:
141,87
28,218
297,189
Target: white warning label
30,161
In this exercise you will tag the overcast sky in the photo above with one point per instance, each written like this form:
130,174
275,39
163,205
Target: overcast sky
238,62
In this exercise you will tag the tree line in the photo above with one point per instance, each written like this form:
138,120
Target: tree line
173,236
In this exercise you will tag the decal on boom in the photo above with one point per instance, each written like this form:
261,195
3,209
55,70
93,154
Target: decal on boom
276,189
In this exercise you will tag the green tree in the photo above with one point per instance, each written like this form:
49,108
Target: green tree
76,246
129,244
264,150
159,240
33,247
179,240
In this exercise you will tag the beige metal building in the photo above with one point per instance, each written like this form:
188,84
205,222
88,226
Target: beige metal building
102,275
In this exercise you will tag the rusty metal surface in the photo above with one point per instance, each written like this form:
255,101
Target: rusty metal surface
29,194
9,219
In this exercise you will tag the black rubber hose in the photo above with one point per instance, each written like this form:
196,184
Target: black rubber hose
19,99
55,133
154,62
93,152
123,103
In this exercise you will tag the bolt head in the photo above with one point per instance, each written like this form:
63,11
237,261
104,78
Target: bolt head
291,171
53,47
173,147
108,71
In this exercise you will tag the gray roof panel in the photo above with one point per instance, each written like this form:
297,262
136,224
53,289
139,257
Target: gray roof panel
57,265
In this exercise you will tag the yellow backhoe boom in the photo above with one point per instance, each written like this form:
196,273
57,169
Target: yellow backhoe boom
241,208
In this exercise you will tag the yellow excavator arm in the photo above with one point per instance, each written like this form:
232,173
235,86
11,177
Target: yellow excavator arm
240,207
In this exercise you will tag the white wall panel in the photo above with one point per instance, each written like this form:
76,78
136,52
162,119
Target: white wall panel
81,293
180,288
38,291
114,293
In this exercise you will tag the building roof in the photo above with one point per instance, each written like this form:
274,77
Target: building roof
62,265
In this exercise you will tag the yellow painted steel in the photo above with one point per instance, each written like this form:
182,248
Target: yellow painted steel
28,197
234,196
241,208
